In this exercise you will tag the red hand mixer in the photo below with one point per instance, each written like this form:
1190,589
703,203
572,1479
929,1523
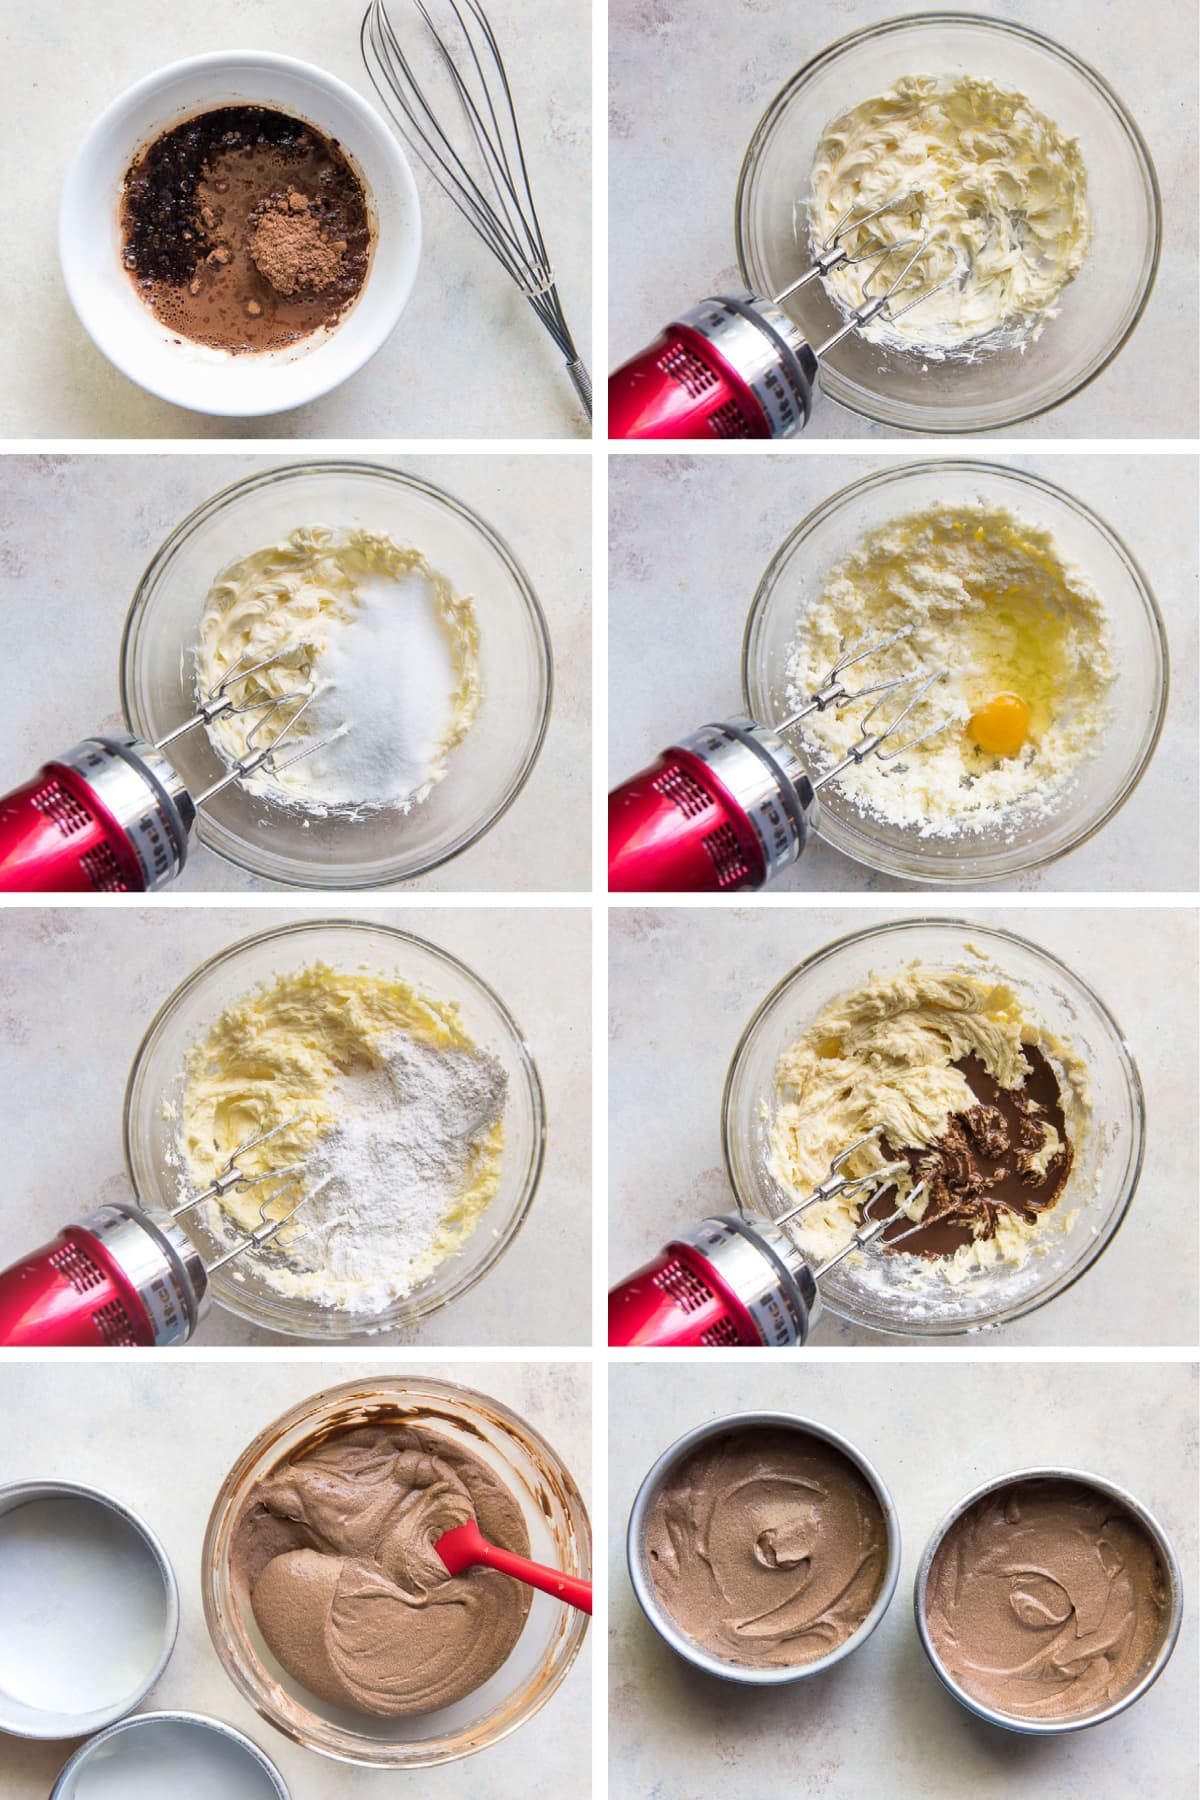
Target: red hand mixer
737,366
112,816
732,806
122,1276
732,1281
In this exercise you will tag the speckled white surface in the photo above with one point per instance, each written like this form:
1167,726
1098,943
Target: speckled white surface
684,984
79,987
63,63
690,538
162,1437
76,533
689,81
880,1726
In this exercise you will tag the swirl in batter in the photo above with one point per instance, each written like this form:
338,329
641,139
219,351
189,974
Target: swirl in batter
1046,1600
335,1549
999,187
767,1547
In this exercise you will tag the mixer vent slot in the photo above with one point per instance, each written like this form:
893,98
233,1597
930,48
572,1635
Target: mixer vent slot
54,801
728,421
685,367
75,1266
103,870
723,1333
729,862
687,1290
112,1324
684,791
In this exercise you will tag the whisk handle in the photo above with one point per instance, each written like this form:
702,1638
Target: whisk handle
581,381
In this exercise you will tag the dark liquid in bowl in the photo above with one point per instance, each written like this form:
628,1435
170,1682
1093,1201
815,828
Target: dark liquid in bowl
245,229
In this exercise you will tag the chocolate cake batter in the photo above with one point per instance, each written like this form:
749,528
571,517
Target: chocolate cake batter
335,1550
990,1160
1046,1600
245,229
767,1547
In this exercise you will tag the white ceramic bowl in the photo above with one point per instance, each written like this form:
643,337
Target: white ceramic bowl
122,325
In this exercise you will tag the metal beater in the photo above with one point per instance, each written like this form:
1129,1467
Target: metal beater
738,366
732,806
123,1276
730,1282
113,815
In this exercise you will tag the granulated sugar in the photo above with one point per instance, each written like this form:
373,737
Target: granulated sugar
390,676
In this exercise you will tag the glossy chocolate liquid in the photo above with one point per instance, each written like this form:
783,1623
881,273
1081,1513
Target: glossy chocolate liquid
981,1167
189,211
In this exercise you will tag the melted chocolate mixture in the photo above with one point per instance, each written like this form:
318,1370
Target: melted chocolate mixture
245,229
981,1167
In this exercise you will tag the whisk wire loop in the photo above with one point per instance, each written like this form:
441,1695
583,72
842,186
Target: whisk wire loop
485,174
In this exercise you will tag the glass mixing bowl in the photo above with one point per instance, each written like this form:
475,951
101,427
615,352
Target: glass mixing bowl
486,771
559,1534
1138,697
1097,312
157,1077
1108,1139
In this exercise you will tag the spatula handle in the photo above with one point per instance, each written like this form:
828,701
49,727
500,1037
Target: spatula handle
550,1581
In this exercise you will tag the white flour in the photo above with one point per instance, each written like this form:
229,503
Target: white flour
397,1171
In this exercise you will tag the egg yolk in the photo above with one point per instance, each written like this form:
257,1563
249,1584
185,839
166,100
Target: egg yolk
1001,726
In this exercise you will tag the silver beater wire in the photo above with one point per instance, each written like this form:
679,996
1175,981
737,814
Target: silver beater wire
510,226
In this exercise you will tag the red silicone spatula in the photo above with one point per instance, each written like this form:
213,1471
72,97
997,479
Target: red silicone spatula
466,1548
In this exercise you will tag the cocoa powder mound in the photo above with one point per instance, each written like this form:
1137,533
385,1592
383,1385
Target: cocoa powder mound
289,248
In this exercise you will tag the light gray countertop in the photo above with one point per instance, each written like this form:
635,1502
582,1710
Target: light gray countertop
690,538
689,81
683,984
468,358
880,1726
162,1437
78,988
76,533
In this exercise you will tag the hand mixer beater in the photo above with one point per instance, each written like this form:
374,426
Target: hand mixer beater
738,366
113,815
732,806
123,1276
728,1281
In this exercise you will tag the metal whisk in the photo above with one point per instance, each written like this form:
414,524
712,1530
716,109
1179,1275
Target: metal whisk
480,166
